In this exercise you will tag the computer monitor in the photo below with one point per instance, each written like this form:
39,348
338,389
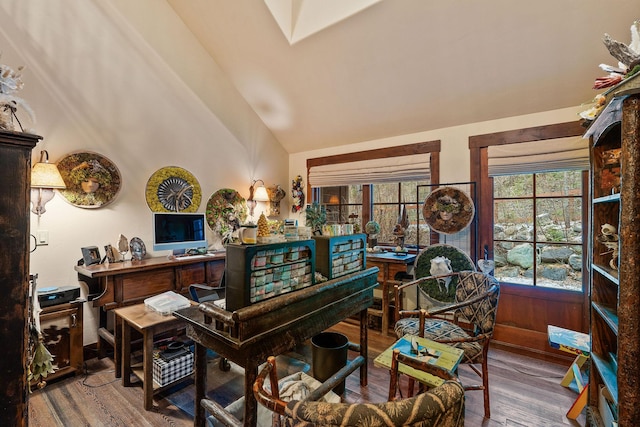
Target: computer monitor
179,232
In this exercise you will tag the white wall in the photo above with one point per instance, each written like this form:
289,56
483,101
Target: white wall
99,82
454,157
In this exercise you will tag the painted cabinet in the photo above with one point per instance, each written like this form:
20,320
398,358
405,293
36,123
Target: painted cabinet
340,255
255,273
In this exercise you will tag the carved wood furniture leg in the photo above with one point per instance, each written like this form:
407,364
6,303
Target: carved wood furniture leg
201,383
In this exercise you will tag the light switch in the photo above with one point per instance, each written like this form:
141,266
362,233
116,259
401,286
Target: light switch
43,237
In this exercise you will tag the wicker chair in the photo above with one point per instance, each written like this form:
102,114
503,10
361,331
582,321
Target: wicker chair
441,406
470,328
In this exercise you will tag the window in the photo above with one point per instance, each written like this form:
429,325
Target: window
537,228
343,204
375,185
387,203
532,206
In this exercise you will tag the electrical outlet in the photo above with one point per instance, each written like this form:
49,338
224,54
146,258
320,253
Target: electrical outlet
43,238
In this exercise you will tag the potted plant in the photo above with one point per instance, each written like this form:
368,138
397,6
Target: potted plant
315,217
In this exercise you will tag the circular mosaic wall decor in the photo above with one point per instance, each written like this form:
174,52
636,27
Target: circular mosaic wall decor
173,189
92,180
448,210
226,210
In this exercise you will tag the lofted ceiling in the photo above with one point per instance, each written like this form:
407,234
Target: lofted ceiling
398,67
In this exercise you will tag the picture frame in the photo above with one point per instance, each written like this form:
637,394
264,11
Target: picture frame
91,255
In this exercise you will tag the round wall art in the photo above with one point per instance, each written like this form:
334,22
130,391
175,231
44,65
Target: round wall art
448,210
92,180
226,210
173,189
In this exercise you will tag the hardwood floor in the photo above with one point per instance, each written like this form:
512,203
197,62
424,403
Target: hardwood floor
524,392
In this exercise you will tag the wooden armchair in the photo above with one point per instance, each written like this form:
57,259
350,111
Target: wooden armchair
441,406
470,328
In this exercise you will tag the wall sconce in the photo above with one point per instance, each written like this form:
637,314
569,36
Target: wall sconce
45,177
256,194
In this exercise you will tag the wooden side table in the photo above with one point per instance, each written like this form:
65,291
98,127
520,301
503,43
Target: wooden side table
389,264
148,323
447,357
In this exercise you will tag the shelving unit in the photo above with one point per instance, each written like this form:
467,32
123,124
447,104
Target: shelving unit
258,272
340,255
614,285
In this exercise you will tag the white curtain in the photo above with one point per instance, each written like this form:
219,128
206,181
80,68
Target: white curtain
570,153
391,169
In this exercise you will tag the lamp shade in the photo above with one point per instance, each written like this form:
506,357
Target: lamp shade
46,175
261,194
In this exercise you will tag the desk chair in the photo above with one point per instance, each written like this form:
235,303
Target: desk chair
200,292
471,328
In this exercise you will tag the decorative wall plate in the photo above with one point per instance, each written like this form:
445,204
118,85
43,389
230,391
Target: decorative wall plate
226,210
448,210
137,248
92,180
173,189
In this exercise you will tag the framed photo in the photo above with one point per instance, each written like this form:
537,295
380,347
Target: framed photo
91,255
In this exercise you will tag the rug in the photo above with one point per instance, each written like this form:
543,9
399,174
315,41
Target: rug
226,387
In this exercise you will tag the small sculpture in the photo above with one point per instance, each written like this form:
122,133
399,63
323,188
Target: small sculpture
441,266
610,239
123,246
400,229
10,83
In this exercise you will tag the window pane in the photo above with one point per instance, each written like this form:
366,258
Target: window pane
513,186
385,193
513,220
387,217
541,247
353,194
409,190
560,267
559,220
565,183
514,262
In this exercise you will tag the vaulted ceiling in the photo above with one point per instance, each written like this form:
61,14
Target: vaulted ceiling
403,66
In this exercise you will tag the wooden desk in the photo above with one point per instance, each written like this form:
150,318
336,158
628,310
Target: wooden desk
149,323
247,336
130,282
448,358
389,265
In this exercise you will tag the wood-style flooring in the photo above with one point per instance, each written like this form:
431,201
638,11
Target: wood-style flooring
524,392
